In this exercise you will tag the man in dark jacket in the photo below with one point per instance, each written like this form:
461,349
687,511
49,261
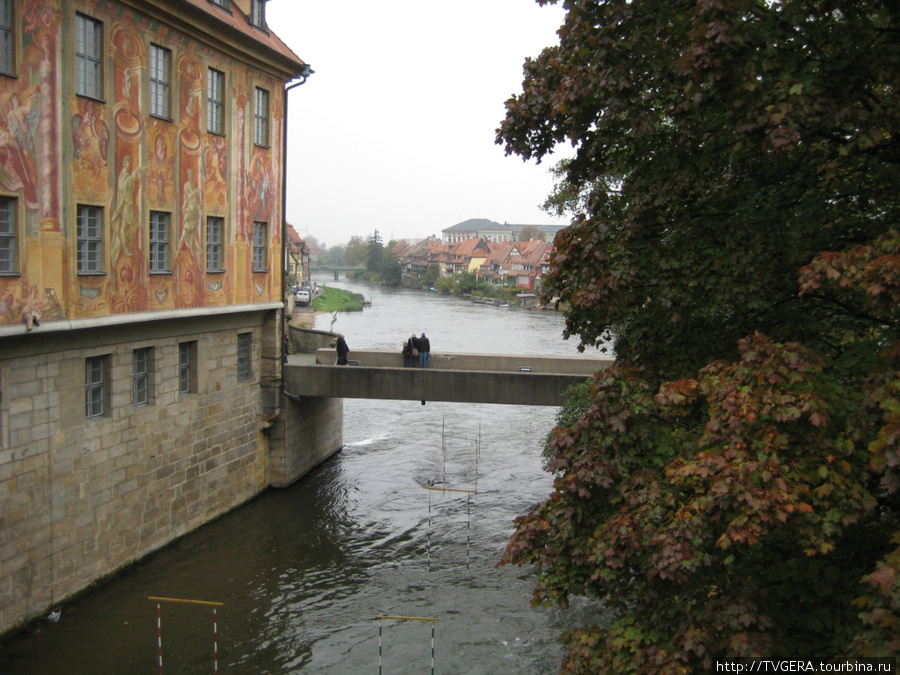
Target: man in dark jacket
342,350
424,351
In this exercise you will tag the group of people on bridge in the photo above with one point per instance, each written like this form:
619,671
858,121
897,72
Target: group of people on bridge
416,352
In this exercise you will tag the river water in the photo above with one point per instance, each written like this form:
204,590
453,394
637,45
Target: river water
304,573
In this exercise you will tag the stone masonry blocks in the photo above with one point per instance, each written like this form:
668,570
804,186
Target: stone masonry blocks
93,495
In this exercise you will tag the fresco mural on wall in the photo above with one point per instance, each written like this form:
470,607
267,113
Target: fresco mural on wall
90,150
127,251
40,37
161,179
128,163
19,114
189,275
215,161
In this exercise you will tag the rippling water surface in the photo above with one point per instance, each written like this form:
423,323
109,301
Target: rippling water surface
304,572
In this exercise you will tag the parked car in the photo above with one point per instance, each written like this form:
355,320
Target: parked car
301,297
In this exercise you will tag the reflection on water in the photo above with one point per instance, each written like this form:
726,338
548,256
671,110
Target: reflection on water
303,573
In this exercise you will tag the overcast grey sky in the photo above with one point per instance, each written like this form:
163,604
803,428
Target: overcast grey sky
395,129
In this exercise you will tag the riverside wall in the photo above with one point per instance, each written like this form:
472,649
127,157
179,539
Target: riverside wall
81,498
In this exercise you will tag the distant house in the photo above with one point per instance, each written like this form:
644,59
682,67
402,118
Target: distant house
523,263
476,228
492,232
297,255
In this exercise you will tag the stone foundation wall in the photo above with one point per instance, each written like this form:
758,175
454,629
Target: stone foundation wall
308,432
79,497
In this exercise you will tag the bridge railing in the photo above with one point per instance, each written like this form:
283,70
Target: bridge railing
499,363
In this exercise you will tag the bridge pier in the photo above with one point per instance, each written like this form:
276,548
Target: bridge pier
336,276
309,430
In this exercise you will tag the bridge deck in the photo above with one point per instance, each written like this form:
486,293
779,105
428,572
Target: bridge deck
472,378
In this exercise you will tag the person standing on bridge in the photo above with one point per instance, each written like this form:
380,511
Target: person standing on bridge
413,346
424,351
407,355
342,350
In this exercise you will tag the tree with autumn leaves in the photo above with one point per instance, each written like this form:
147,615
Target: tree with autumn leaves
733,486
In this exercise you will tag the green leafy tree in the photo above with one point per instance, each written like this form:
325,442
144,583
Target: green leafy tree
355,252
389,271
444,285
466,282
374,253
333,255
432,272
733,488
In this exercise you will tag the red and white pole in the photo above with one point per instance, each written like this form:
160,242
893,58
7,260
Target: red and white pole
159,635
215,645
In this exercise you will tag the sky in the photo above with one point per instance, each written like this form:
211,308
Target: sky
395,129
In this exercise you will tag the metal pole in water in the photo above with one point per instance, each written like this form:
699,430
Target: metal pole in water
406,618
468,523
159,635
215,643
208,603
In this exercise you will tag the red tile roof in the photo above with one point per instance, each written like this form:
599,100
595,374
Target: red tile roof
237,20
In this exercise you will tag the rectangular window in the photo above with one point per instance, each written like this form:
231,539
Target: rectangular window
140,376
90,239
187,367
7,37
8,261
88,56
159,241
95,386
243,355
261,117
215,101
160,81
214,228
260,259
258,13
222,3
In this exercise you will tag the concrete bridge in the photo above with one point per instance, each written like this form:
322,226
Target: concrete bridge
337,269
467,378
311,423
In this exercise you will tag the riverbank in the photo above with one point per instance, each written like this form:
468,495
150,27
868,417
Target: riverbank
304,317
328,300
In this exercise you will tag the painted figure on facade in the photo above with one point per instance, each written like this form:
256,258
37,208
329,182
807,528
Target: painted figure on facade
90,141
18,123
126,217
162,170
192,214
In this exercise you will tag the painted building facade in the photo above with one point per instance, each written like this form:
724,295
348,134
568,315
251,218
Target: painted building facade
141,225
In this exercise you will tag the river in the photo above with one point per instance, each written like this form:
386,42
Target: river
304,573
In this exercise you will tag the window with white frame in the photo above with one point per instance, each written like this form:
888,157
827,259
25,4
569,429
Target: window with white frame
245,342
7,38
260,258
141,381
159,241
215,101
96,386
90,239
9,263
214,229
261,117
160,81
88,57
